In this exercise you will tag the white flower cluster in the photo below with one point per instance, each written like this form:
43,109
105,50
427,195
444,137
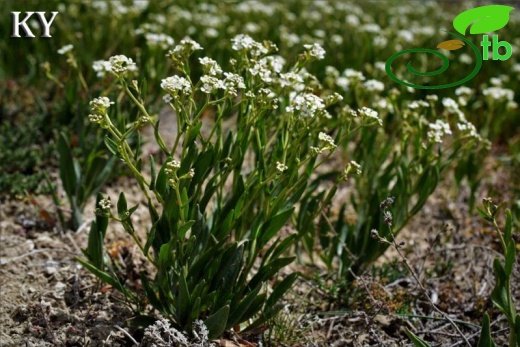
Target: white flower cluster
499,93
211,84
315,51
210,66
307,105
159,40
185,47
367,112
105,204
351,76
175,86
121,64
118,64
281,167
438,130
99,107
416,104
374,86
326,138
232,83
65,49
245,43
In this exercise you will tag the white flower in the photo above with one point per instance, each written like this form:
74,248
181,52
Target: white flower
95,118
232,82
380,41
176,85
211,84
120,64
281,167
463,91
308,105
65,49
374,86
450,105
356,166
326,138
432,97
417,104
368,112
159,40
105,204
315,51
210,66
498,93
466,59
101,67
292,80
246,43
352,74
100,105
438,130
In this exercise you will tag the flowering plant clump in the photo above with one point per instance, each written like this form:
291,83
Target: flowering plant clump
224,194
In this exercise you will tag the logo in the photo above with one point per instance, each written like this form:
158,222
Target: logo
479,20
45,24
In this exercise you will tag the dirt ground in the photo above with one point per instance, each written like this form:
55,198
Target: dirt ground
47,299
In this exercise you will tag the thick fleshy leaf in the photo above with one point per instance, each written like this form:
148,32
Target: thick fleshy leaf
483,19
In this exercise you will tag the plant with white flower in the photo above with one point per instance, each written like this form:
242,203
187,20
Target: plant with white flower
120,64
210,66
233,82
210,84
261,69
327,139
374,86
371,114
101,67
183,50
498,93
100,105
65,49
176,86
438,130
267,98
450,106
432,98
273,62
161,40
105,204
416,104
314,52
291,80
281,167
353,75
246,44
306,105
351,166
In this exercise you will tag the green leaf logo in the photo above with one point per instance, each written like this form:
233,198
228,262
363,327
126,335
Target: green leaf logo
482,19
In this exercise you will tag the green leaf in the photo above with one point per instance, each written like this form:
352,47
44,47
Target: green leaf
482,19
270,228
517,329
153,173
508,227
150,294
184,228
485,339
510,258
68,174
280,289
113,281
112,146
417,341
238,313
121,205
500,292
217,322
